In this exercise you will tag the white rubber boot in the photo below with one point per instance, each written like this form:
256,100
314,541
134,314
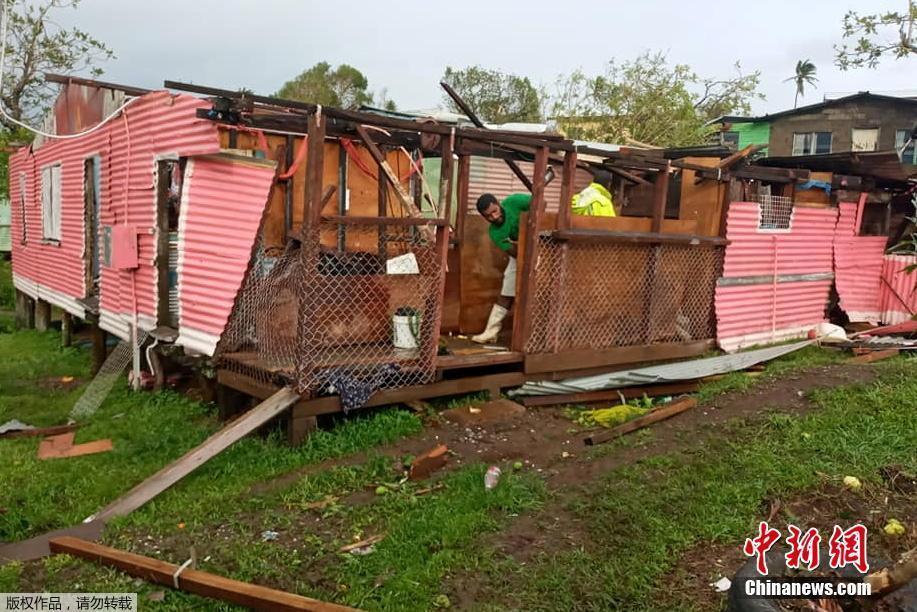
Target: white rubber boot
494,325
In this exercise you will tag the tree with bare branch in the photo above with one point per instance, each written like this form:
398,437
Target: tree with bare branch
876,36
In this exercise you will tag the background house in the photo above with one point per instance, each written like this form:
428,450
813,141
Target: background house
859,122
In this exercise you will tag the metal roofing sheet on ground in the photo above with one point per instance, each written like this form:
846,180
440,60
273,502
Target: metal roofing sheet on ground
671,372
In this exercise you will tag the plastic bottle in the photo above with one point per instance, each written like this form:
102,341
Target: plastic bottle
492,477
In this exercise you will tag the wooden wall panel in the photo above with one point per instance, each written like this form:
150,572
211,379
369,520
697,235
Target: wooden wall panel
702,202
482,266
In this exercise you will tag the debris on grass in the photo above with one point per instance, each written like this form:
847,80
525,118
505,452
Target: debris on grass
722,585
492,477
14,425
607,417
894,528
852,483
61,446
269,535
363,547
428,462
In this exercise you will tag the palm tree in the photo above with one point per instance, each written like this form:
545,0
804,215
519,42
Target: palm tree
805,73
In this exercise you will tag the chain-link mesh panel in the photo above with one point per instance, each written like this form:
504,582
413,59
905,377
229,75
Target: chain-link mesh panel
605,295
359,302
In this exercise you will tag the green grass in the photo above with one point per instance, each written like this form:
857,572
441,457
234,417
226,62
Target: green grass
659,508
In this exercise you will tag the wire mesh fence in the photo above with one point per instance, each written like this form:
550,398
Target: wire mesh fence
605,295
775,212
353,306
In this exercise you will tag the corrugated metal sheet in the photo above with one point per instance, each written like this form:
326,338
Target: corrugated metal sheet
221,210
805,248
670,372
760,312
857,266
156,124
898,290
489,175
5,242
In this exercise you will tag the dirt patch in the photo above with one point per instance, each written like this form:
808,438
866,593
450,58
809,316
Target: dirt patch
830,505
59,383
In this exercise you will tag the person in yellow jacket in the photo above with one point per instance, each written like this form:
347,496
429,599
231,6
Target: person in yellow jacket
595,199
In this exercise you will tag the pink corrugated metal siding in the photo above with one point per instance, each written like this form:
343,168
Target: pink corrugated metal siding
805,249
489,175
225,200
157,124
857,267
898,291
764,311
747,309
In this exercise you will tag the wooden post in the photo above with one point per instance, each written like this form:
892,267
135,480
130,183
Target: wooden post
445,178
660,196
42,315
566,190
300,424
66,329
25,311
99,347
522,317
315,161
464,178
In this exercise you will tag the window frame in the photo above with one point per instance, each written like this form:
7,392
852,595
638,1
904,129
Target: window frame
810,143
900,138
51,203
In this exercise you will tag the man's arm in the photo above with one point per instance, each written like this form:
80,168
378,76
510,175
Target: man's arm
512,250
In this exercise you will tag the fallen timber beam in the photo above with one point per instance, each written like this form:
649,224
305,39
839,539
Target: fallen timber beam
270,408
332,403
475,120
660,414
604,395
194,581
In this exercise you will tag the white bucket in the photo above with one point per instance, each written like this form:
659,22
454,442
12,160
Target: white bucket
405,329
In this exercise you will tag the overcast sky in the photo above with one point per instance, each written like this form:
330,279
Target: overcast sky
405,45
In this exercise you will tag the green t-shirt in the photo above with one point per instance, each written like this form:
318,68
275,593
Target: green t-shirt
513,206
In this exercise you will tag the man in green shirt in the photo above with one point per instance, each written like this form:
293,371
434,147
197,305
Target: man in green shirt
504,231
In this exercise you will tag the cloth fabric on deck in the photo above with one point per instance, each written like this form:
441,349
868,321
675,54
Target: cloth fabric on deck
355,389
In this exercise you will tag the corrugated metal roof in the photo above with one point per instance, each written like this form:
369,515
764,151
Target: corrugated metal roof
672,372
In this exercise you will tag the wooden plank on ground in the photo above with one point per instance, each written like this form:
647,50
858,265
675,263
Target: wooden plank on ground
874,356
660,414
191,580
611,394
583,359
212,446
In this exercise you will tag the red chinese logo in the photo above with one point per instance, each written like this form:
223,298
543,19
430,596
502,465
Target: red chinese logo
803,547
759,546
848,547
